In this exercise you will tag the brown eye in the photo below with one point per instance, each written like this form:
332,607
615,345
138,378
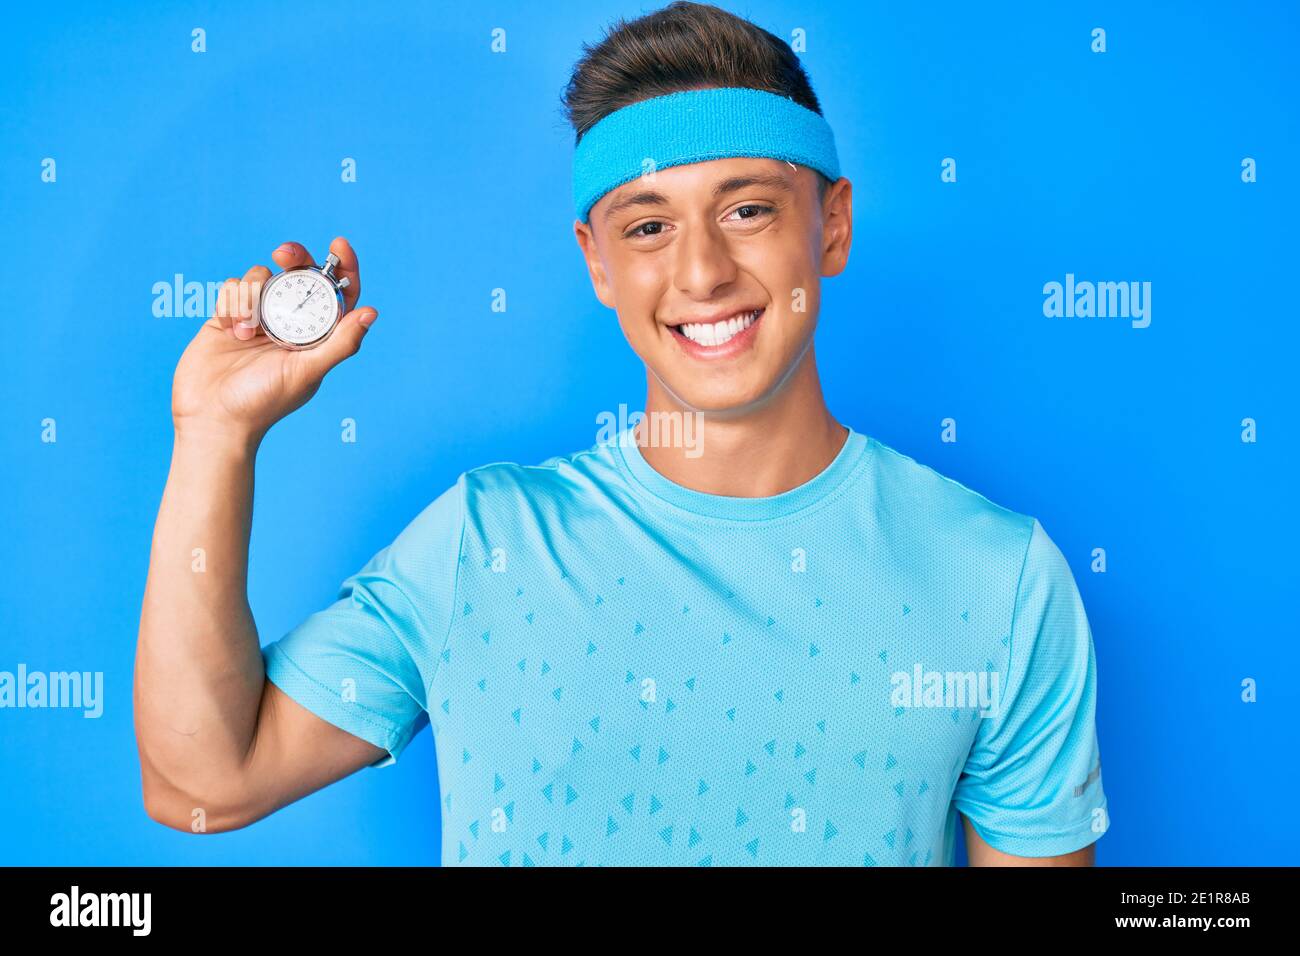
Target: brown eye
637,231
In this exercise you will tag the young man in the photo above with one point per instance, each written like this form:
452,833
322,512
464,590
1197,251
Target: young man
777,642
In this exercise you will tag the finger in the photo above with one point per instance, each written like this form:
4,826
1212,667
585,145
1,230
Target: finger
247,311
342,343
223,314
292,255
348,267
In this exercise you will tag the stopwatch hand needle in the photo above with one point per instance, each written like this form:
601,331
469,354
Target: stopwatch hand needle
304,301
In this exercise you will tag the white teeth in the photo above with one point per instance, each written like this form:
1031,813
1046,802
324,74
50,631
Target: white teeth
719,333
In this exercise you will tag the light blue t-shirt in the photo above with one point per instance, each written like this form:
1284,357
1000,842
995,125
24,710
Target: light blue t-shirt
619,670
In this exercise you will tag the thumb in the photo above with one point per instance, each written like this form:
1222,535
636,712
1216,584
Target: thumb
344,342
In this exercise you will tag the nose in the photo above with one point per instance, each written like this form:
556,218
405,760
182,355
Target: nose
704,261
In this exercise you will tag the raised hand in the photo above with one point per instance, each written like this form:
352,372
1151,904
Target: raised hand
235,383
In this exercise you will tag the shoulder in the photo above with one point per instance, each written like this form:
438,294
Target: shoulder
498,499
921,506
570,479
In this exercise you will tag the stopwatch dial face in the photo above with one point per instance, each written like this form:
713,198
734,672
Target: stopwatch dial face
300,307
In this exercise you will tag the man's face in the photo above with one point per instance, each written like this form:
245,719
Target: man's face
714,269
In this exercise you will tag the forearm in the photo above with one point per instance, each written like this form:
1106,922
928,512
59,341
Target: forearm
198,669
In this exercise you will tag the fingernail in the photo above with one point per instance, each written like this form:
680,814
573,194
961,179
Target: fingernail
365,318
248,323
284,247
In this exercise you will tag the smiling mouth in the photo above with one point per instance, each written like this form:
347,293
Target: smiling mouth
711,335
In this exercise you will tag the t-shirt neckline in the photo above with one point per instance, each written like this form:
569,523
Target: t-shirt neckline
824,483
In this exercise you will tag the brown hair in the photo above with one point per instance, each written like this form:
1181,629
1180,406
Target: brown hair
683,46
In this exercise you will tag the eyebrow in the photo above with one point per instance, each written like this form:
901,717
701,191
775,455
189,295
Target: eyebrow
648,197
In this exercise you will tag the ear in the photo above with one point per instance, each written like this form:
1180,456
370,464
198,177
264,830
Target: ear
595,265
837,227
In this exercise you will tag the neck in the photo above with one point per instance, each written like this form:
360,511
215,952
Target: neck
780,444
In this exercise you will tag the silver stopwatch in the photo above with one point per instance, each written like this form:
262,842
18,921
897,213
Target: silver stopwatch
300,307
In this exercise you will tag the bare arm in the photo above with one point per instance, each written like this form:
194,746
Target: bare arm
221,746
979,853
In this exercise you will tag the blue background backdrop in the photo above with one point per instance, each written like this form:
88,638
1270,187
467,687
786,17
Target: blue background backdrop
1116,166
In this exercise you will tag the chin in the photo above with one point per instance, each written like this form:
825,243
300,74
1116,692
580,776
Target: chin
717,398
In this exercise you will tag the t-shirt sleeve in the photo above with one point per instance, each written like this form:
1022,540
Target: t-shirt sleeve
1032,782
365,662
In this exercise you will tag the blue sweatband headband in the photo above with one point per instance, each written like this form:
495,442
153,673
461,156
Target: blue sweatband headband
694,126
